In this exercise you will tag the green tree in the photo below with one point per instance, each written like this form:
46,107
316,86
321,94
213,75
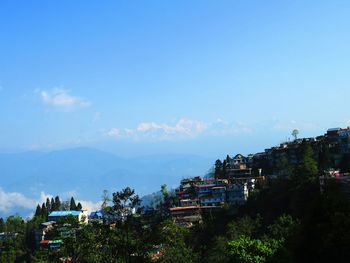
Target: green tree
57,203
284,168
295,133
44,211
124,201
247,250
175,249
79,206
324,159
246,226
90,245
283,227
2,225
72,205
219,252
38,211
65,205
53,207
105,200
15,224
307,170
218,169
164,191
48,204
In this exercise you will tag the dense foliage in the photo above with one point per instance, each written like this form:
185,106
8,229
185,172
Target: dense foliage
285,220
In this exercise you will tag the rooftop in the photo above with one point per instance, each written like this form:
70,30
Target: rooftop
48,223
184,208
65,213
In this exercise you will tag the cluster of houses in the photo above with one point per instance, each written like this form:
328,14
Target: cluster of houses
335,141
42,234
198,196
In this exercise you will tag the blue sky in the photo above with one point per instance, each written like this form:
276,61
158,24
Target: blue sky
145,77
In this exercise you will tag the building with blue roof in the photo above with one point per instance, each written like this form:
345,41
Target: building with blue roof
81,215
96,215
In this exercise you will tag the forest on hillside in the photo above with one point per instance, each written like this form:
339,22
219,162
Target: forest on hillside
286,219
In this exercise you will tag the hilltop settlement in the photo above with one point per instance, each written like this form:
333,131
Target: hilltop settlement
256,193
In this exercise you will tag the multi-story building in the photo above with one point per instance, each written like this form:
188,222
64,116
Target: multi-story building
238,166
237,194
189,202
186,215
212,195
198,197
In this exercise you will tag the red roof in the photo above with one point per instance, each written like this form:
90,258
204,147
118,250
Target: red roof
44,242
184,208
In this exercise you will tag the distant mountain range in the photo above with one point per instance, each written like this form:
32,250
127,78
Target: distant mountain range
87,172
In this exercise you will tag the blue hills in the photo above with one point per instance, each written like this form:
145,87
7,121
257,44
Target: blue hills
88,171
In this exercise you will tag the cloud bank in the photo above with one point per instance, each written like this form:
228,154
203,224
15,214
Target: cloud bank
9,200
183,128
188,128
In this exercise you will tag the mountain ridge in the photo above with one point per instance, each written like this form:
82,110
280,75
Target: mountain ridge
88,171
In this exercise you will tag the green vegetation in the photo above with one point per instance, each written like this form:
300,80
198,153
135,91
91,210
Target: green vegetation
286,219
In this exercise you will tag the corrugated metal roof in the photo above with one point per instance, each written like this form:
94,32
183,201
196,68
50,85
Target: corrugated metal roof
65,213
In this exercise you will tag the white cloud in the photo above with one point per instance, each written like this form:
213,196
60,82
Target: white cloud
61,99
188,128
9,200
43,197
89,205
183,128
